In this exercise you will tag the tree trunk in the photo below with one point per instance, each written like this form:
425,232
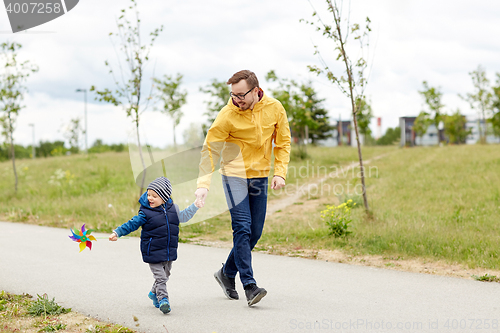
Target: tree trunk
485,132
365,199
341,131
480,129
140,154
354,110
306,141
13,152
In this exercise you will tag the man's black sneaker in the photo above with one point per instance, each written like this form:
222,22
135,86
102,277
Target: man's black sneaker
227,284
254,294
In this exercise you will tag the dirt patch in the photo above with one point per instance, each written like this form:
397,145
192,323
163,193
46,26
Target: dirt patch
73,322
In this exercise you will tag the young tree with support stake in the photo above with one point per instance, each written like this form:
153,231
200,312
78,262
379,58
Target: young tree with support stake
299,106
432,97
12,90
219,96
354,84
495,118
128,91
172,98
481,99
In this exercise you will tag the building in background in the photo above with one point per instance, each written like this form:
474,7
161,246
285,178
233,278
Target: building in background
473,137
434,135
348,135
407,133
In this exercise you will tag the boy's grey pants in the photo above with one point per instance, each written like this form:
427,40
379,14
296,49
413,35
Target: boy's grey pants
161,273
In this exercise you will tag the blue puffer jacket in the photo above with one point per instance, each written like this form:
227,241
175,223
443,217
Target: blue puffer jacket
160,234
160,229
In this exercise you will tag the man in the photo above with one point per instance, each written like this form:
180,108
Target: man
243,134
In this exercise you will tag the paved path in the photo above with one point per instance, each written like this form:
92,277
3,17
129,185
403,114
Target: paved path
111,283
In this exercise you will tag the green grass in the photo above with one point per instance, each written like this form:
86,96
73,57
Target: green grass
98,190
19,313
486,278
437,203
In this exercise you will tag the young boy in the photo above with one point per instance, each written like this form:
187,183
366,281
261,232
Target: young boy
159,218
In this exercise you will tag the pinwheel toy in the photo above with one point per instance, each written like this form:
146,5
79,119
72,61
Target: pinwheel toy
83,237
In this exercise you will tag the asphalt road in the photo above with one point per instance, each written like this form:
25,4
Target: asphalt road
111,283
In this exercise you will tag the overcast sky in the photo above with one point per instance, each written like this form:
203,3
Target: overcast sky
411,41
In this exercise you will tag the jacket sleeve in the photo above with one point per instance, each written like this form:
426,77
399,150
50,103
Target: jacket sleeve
187,214
282,142
210,153
132,225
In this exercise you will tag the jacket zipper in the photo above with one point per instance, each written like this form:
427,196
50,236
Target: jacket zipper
168,235
149,245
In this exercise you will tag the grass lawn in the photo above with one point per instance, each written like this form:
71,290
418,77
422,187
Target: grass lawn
437,203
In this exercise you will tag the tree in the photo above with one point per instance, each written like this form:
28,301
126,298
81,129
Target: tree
364,116
354,81
72,133
481,99
319,115
298,107
219,96
391,136
172,98
432,97
495,118
12,90
454,127
422,123
128,90
46,148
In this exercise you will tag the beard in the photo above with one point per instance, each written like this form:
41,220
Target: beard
245,105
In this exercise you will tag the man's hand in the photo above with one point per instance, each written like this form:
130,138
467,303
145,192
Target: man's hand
277,183
201,194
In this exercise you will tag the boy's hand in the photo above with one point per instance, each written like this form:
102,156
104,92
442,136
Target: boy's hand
113,237
201,194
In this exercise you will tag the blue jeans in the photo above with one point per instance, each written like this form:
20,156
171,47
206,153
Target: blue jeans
247,203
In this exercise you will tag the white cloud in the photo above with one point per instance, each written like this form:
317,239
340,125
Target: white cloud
412,41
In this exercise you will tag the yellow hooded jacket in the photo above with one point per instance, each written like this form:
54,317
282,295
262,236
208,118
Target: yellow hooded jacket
245,141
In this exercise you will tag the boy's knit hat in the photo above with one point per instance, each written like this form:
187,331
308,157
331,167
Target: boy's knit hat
162,187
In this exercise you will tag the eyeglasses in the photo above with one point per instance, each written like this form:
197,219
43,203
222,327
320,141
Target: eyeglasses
240,97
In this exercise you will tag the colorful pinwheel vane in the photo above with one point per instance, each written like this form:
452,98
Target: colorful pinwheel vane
83,237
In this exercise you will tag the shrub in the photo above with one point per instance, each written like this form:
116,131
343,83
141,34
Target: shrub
338,218
44,306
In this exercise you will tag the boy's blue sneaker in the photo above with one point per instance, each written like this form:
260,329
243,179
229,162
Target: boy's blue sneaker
154,299
165,305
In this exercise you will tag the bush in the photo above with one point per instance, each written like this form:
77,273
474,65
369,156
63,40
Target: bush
100,147
338,218
44,306
391,136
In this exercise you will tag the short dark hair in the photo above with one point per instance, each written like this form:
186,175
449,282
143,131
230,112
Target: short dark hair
246,75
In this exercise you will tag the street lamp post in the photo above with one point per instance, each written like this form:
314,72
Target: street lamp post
85,110
33,147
